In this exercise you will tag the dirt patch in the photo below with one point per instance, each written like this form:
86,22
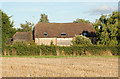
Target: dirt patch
60,67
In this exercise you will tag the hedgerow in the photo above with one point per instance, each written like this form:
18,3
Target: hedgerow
23,48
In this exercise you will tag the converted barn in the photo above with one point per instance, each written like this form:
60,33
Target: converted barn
62,33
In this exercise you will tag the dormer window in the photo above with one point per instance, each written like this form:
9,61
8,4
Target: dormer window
63,34
45,34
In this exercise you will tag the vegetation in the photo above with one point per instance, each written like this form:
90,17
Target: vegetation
36,56
0,31
23,48
26,27
107,29
44,18
81,21
81,40
7,28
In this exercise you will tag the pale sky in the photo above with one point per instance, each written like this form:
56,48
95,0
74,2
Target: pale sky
58,12
59,0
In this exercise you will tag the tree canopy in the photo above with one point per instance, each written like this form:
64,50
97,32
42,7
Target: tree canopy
81,21
107,29
7,28
44,18
26,27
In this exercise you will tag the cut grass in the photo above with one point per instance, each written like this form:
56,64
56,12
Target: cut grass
60,56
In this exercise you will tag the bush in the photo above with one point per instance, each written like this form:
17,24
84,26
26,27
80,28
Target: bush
23,48
81,40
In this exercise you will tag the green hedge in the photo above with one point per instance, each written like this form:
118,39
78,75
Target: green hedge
33,49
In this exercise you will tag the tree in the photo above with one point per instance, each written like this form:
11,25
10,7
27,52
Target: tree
26,27
107,29
7,28
44,18
81,21
118,37
81,40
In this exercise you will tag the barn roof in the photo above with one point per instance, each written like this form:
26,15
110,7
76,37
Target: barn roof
22,36
55,29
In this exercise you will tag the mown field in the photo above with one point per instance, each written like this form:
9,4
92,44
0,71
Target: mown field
61,66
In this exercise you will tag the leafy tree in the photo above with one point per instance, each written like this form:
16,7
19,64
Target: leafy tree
44,18
19,30
26,27
118,37
0,30
81,21
107,29
12,32
81,40
7,28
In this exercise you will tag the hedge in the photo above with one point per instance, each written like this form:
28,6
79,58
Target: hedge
33,49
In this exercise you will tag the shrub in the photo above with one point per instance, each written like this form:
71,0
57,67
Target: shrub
81,40
24,48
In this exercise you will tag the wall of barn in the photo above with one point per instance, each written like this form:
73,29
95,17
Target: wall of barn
56,41
64,41
45,41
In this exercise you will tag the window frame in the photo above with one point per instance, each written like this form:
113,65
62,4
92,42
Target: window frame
63,34
46,34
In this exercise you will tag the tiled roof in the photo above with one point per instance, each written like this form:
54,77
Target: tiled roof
22,36
55,29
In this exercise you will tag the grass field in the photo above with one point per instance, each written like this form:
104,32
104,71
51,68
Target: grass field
60,56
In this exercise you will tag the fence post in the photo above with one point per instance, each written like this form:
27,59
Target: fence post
58,52
74,53
8,53
63,53
13,52
78,54
40,53
4,52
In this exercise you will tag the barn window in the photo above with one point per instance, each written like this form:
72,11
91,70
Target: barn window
45,34
84,34
63,34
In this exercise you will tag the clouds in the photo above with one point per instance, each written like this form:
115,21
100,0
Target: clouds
102,10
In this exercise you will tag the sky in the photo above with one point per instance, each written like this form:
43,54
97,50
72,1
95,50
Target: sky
58,12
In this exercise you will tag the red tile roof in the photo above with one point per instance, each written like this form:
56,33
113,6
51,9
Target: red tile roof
55,29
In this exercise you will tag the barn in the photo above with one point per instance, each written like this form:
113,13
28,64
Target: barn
62,33
22,36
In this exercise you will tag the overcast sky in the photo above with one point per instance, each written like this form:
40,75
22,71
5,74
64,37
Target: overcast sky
58,12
